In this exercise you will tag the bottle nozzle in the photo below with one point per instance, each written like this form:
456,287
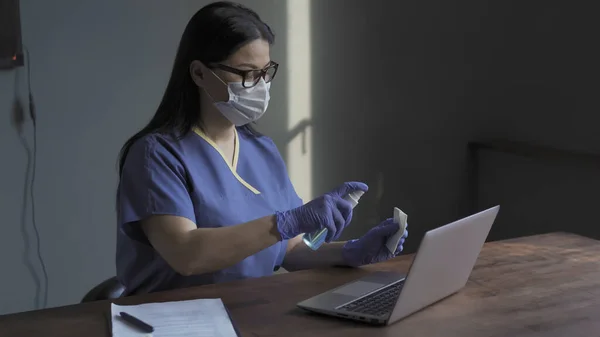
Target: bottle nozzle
357,194
353,197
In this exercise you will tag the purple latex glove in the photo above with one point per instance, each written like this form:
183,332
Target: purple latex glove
370,248
327,211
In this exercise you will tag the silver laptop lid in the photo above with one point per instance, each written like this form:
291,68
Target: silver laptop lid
444,262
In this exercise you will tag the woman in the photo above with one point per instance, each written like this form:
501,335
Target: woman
204,198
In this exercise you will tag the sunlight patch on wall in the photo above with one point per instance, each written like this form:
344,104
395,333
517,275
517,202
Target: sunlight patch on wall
299,96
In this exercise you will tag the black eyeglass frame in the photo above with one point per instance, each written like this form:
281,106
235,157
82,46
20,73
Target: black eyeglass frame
244,73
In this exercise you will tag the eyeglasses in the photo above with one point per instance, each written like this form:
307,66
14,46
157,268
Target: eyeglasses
251,78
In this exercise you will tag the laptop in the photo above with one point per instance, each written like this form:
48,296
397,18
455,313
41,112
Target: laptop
441,267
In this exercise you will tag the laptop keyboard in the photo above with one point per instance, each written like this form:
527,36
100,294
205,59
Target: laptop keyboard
378,303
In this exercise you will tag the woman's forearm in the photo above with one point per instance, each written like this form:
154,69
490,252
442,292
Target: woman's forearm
211,249
301,257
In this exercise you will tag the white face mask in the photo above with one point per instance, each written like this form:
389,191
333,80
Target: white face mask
245,105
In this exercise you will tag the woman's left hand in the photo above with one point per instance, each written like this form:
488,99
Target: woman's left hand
371,247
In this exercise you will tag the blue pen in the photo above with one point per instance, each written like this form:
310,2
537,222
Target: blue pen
138,323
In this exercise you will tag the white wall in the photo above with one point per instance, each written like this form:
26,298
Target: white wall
409,83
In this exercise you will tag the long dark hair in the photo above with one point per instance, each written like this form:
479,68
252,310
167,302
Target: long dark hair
214,33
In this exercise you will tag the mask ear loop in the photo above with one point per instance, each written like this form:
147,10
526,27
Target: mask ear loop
224,83
217,76
209,95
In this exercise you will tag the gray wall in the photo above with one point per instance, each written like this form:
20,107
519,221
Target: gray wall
538,82
99,69
408,83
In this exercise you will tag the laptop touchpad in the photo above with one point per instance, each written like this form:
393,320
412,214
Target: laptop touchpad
358,288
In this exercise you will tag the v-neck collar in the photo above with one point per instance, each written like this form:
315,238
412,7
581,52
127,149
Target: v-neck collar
236,148
236,153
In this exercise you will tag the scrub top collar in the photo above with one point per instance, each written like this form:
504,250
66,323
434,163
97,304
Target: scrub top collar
236,154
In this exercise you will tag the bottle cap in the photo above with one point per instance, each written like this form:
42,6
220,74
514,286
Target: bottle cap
357,194
353,197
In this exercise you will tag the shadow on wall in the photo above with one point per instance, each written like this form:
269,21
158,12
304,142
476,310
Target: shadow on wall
388,79
539,196
399,88
539,85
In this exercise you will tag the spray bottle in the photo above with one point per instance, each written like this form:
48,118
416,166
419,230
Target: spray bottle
316,239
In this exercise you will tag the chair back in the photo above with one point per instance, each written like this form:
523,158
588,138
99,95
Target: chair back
108,289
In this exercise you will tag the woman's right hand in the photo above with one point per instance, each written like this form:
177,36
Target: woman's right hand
329,211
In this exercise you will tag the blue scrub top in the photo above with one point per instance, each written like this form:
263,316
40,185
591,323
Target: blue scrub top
191,177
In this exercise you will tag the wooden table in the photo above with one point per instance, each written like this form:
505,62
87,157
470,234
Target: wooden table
546,285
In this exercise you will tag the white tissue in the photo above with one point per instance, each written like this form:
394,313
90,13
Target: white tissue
399,218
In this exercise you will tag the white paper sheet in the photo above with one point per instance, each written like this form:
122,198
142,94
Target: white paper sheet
400,218
193,318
